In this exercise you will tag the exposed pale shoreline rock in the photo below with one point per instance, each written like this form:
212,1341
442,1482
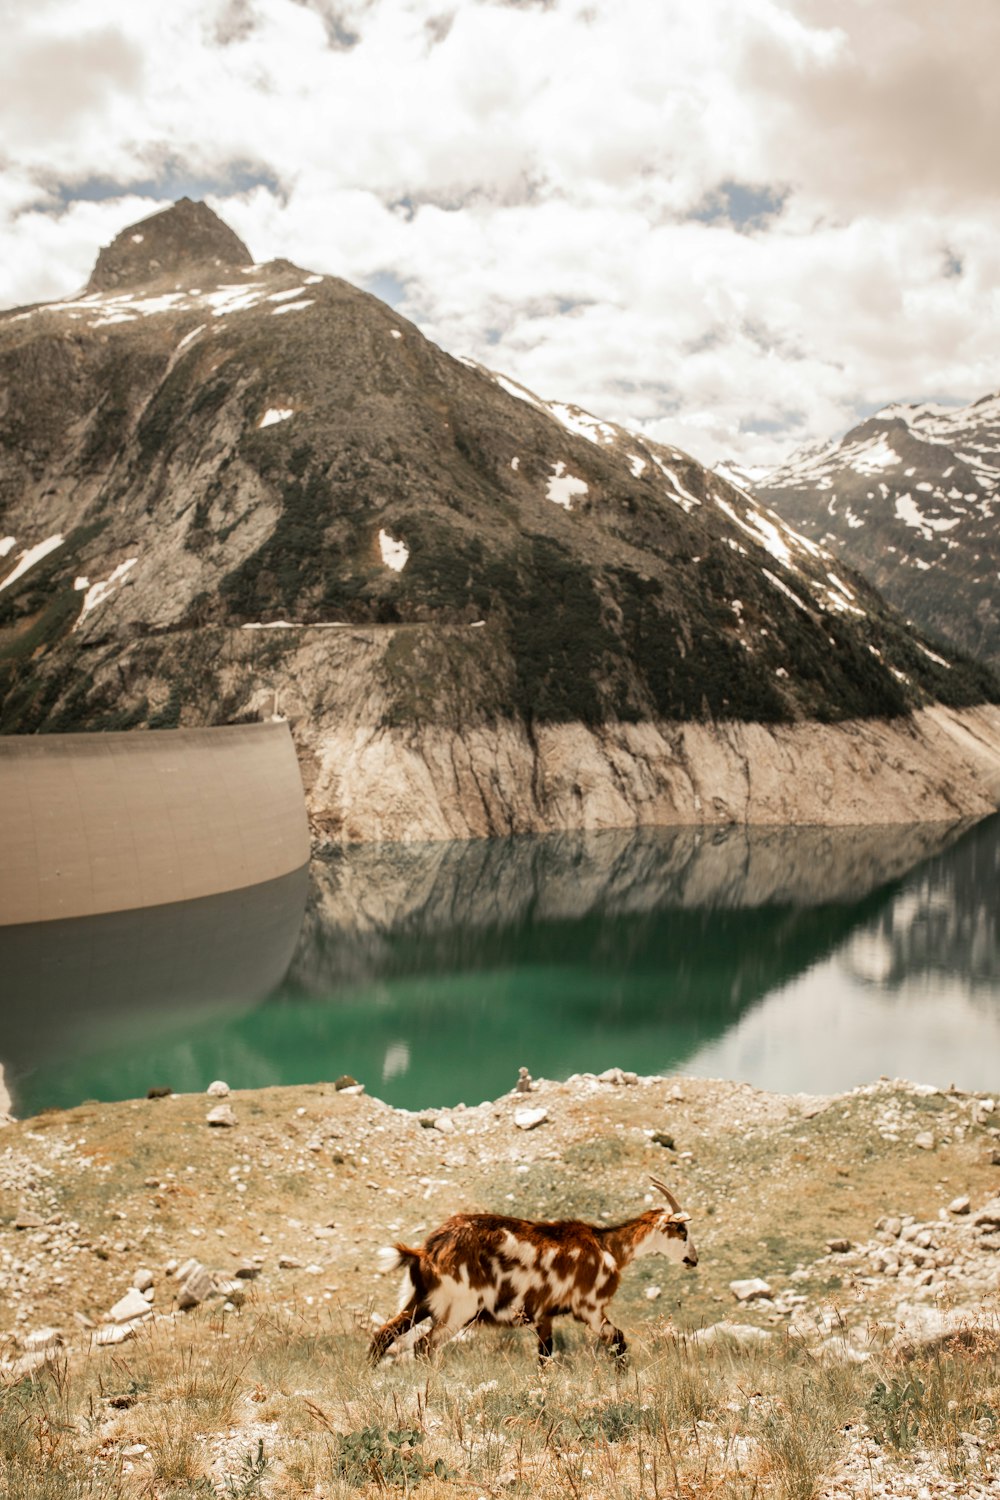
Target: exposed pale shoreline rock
429,783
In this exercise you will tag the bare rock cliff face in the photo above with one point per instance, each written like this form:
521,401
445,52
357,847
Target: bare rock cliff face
443,784
173,242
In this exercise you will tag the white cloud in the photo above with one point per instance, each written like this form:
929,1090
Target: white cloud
531,173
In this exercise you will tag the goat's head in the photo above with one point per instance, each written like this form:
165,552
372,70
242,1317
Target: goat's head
671,1230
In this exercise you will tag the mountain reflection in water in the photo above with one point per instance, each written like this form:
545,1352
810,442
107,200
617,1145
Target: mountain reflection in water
793,958
914,992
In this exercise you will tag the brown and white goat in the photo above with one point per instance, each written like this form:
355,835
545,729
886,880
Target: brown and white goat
481,1268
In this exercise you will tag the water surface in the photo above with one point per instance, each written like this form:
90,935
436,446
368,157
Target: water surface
793,959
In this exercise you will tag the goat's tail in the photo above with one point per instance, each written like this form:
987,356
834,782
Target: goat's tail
413,1263
391,1257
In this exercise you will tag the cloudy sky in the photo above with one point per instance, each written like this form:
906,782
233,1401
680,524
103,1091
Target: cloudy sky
737,224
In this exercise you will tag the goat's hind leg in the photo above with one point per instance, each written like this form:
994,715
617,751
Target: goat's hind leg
543,1328
414,1312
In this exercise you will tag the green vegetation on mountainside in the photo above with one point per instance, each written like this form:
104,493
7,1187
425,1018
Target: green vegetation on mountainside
250,463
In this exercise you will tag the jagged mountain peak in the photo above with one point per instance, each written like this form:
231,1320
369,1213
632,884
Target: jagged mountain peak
178,238
909,497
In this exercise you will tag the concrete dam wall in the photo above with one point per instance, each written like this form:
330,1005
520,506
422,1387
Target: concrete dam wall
95,823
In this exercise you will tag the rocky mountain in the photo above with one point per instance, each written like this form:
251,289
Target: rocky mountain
910,499
230,490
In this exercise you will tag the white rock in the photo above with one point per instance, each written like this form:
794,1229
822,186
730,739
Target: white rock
143,1279
41,1338
132,1305
749,1290
115,1333
652,1292
196,1283
445,1124
988,1217
222,1114
959,1205
218,1089
28,1363
289,1263
743,1333
925,1140
527,1119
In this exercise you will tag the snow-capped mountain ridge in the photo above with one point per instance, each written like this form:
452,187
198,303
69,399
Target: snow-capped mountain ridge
910,492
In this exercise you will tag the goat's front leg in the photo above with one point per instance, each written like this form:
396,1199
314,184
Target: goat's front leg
436,1335
544,1330
597,1321
612,1338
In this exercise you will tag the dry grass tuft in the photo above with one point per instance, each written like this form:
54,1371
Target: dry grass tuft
285,1408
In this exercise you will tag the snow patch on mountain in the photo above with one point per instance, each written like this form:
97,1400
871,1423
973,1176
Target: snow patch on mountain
563,488
511,387
909,513
395,554
275,414
874,456
97,593
30,556
784,589
583,424
677,492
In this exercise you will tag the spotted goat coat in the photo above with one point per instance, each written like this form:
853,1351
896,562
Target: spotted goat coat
481,1268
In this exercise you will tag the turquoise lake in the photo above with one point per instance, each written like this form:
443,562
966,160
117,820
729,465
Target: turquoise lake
802,959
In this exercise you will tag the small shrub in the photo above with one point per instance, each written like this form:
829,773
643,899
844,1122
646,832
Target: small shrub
374,1456
252,1471
617,1420
893,1412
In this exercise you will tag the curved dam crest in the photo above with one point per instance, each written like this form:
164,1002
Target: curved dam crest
101,823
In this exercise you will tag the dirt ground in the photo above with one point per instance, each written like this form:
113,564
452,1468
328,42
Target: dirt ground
852,1209
327,1177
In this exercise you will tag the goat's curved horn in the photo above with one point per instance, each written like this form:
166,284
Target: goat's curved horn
661,1187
